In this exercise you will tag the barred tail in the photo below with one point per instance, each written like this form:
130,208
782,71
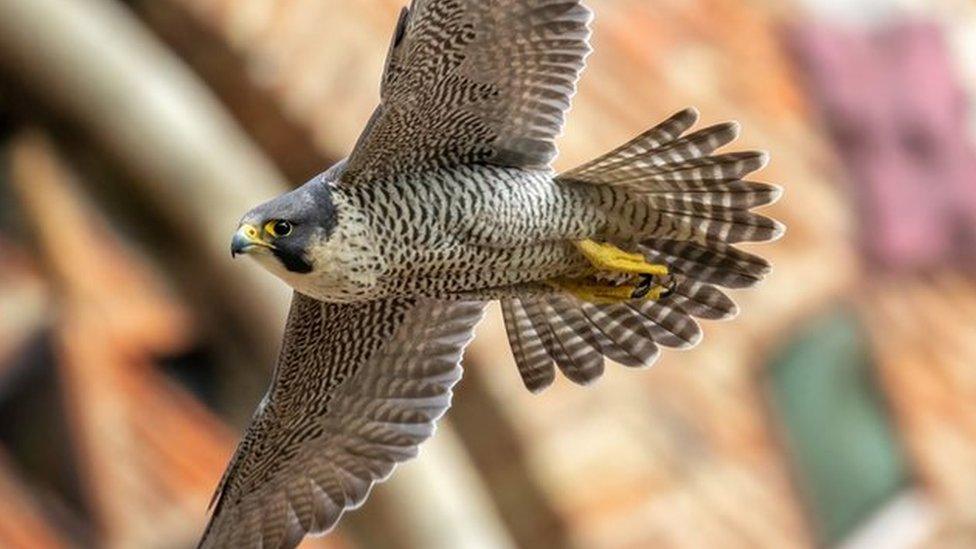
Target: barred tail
670,198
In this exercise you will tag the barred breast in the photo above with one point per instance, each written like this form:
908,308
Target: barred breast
468,230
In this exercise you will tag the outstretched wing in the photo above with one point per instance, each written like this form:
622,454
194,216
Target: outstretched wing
356,390
471,81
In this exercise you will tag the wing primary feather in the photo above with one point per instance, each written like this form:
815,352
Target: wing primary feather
313,449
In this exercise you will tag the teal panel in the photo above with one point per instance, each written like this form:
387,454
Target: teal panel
846,456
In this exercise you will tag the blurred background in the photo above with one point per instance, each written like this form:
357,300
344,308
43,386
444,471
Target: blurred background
839,410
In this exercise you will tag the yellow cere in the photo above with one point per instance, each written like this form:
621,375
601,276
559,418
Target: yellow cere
251,232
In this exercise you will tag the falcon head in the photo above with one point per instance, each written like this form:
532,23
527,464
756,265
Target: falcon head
282,234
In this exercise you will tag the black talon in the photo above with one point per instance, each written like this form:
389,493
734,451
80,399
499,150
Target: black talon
643,287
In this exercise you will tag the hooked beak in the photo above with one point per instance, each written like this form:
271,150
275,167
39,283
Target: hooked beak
246,239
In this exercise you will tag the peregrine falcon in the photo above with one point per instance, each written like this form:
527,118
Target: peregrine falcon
446,202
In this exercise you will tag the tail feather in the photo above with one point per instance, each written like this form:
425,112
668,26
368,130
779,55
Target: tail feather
669,196
570,353
534,363
706,172
585,362
697,222
685,162
736,194
665,324
733,195
717,263
696,145
703,301
622,327
568,310
678,189
664,133
576,335
723,167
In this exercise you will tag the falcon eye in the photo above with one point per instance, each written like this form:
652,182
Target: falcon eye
278,228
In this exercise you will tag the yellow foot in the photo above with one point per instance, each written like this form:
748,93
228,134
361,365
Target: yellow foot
607,257
601,293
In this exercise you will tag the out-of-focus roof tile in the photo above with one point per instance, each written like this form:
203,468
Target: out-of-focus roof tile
24,526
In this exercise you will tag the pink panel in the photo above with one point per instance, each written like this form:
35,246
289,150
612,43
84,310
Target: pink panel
897,116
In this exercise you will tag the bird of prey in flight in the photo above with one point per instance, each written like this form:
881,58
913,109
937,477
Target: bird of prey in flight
446,202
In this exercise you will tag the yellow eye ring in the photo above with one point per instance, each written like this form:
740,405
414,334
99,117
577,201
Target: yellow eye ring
278,228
